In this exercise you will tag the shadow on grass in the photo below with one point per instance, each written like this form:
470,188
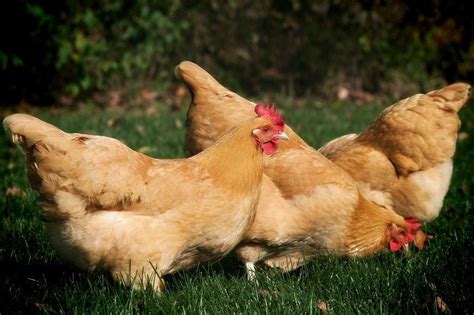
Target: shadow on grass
227,268
36,287
25,285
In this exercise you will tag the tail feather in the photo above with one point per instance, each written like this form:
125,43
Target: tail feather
27,130
73,172
334,147
452,97
196,78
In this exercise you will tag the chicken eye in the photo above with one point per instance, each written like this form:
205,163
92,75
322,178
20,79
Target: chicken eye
266,129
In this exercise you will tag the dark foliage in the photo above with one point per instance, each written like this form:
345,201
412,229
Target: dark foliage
76,48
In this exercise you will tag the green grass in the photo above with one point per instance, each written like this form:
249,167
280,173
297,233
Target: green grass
34,279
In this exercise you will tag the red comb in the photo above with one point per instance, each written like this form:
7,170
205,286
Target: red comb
271,113
413,224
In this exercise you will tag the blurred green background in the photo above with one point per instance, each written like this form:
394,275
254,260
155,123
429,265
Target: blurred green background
63,51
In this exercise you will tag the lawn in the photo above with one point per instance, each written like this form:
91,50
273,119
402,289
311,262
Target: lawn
437,279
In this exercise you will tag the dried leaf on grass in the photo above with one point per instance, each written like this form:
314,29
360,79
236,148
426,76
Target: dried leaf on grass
15,192
178,95
145,150
462,136
441,305
267,293
115,98
42,307
420,239
113,122
150,110
148,95
342,93
141,129
323,307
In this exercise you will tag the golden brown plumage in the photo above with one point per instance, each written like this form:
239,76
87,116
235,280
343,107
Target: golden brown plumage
402,161
308,205
404,158
108,206
210,122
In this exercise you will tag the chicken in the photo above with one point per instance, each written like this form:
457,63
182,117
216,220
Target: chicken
308,205
403,160
107,206
219,109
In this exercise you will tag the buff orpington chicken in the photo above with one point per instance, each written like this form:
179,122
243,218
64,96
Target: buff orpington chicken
308,204
402,161
107,206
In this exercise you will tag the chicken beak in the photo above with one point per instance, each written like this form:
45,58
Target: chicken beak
406,249
283,136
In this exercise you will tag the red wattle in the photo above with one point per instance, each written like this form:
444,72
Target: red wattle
394,246
269,147
413,223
